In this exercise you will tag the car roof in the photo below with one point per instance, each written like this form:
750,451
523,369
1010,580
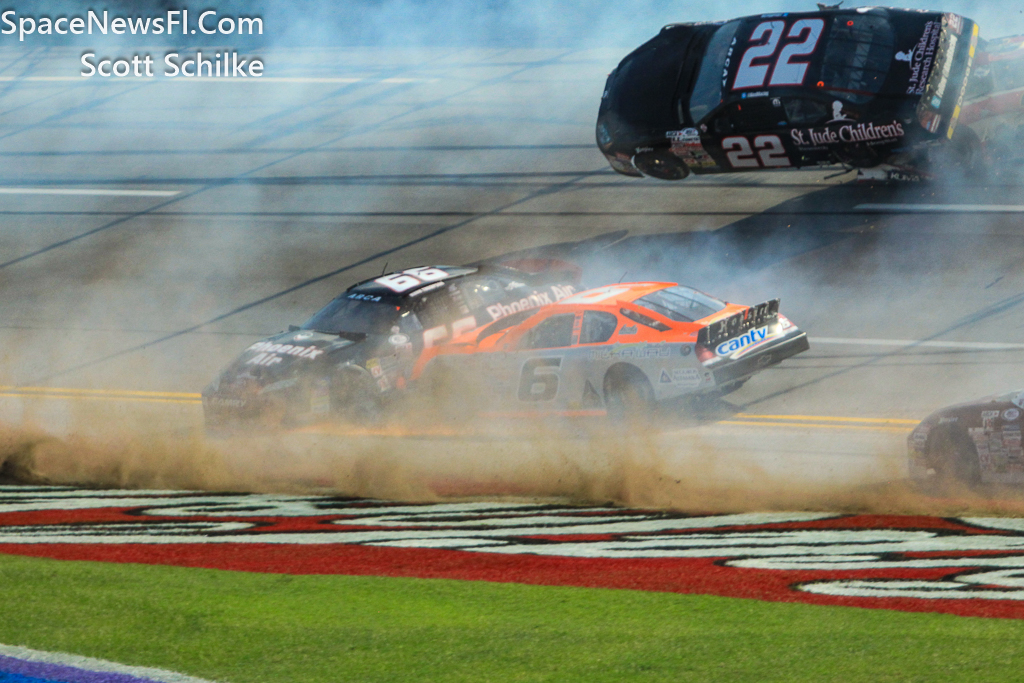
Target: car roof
624,292
378,287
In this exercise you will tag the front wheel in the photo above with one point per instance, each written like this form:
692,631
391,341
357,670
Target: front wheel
954,457
662,165
355,398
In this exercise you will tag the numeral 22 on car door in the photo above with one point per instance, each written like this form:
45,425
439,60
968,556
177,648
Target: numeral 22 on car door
770,152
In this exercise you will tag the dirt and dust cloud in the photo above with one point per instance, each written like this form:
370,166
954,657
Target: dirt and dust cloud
655,465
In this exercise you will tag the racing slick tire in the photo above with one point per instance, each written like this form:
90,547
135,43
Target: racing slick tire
967,152
662,165
444,395
961,157
628,395
954,457
731,387
355,398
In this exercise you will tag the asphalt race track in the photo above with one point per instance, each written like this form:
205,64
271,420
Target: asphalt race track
152,229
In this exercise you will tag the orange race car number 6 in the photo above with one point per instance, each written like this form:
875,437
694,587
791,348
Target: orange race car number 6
539,380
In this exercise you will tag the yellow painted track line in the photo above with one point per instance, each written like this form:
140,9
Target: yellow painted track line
98,392
134,399
100,395
826,418
740,419
815,425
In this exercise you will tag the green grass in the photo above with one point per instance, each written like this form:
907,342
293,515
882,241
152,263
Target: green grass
237,627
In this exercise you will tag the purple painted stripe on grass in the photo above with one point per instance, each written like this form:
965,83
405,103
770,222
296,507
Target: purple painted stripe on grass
63,673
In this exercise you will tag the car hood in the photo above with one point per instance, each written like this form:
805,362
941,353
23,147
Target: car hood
1014,397
283,356
639,96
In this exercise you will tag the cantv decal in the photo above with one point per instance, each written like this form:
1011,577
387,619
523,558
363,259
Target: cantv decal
745,343
968,566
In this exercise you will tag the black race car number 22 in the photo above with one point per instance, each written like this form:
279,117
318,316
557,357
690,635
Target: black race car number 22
539,379
770,152
786,66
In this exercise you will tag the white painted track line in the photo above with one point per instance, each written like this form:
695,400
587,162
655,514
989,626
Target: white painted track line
95,666
208,79
942,208
978,346
88,192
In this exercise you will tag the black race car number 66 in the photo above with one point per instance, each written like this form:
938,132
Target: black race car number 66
414,277
539,379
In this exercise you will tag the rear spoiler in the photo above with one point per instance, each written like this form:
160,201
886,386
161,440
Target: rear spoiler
739,323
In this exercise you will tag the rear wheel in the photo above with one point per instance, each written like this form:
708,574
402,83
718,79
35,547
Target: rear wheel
953,456
731,387
628,395
963,157
968,152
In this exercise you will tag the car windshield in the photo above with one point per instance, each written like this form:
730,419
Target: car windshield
681,304
345,314
1014,397
707,93
858,57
